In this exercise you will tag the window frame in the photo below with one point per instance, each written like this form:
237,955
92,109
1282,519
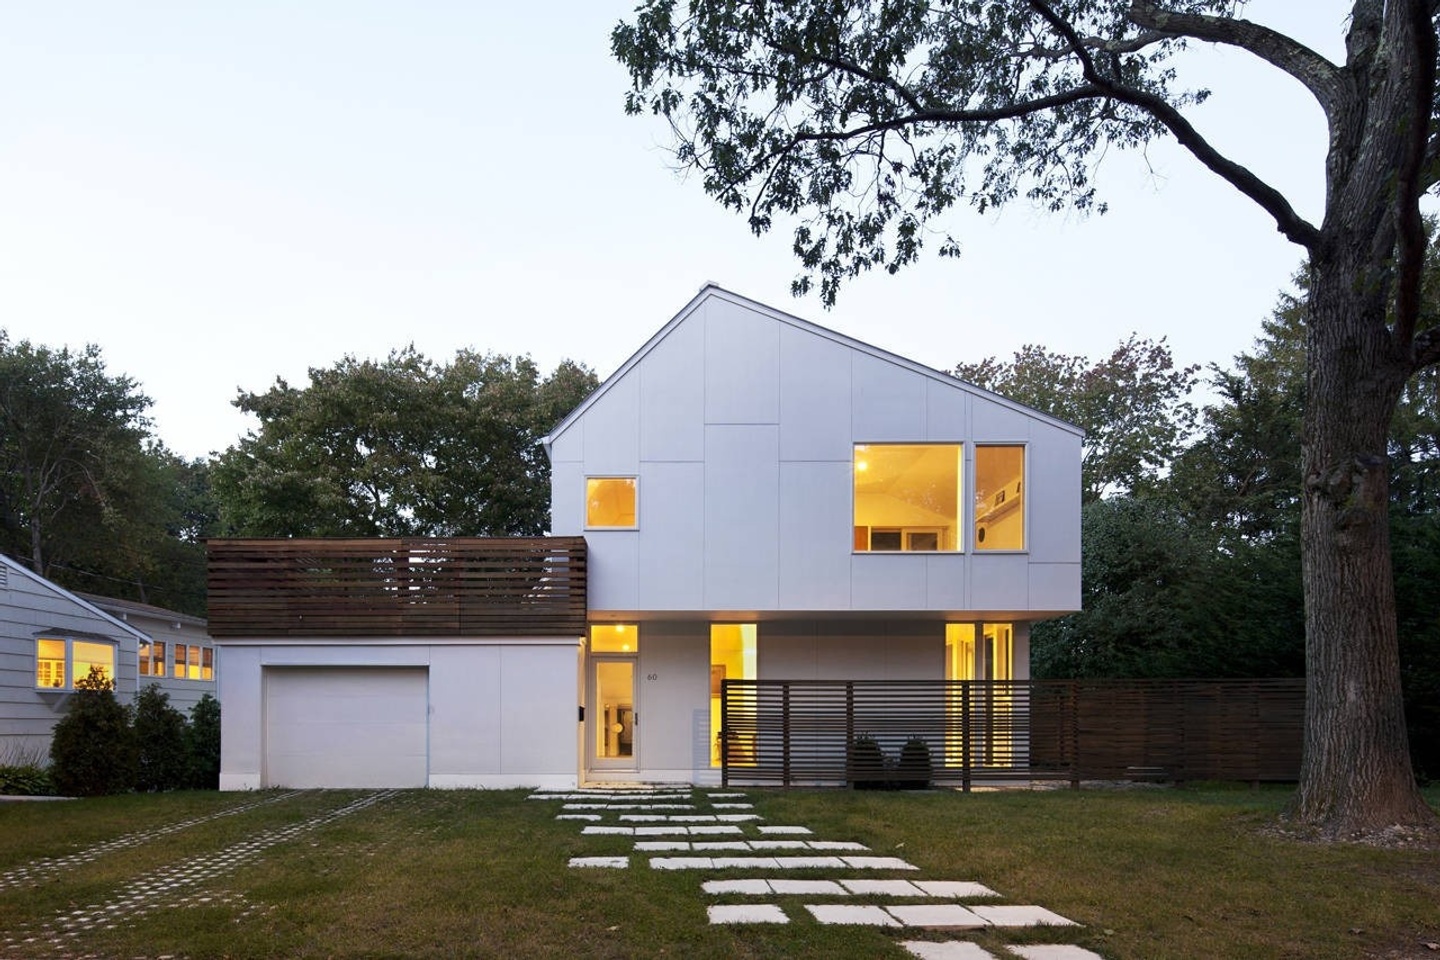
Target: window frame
203,666
150,659
68,661
973,521
964,467
585,506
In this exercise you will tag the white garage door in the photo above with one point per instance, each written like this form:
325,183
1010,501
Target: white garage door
346,727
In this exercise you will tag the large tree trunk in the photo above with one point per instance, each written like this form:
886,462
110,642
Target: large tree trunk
1356,777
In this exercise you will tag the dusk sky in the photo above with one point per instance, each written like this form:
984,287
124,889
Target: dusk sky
220,194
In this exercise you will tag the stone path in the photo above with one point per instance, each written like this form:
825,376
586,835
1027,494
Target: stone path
680,828
176,884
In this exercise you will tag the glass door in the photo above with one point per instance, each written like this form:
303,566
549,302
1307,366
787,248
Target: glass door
611,742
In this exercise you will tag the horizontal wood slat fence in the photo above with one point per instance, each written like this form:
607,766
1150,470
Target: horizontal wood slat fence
957,733
402,587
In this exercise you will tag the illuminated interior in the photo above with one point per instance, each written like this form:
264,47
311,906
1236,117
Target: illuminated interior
614,638
615,705
56,667
152,659
610,502
1000,498
732,657
907,496
100,656
991,658
50,663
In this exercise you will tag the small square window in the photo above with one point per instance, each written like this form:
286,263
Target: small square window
611,502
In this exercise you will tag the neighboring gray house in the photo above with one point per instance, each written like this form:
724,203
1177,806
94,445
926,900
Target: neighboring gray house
48,637
179,656
750,496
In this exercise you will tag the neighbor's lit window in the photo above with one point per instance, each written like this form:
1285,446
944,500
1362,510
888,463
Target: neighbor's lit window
59,661
152,659
907,496
614,638
610,502
194,662
1000,498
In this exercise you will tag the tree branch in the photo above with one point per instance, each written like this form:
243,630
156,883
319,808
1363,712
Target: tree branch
1426,352
1321,77
1290,223
1411,27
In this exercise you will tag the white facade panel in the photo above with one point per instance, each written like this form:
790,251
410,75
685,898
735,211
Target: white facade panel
465,699
1054,586
947,583
346,727
672,560
887,581
742,498
613,568
612,430
672,398
993,422
569,447
814,398
242,720
1054,465
539,710
674,700
567,497
888,403
742,365
1000,582
851,650
815,536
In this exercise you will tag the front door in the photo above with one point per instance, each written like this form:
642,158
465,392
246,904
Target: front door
612,747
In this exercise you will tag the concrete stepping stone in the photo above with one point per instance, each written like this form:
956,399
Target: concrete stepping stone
608,831
601,862
1021,916
852,915
579,816
726,796
780,845
946,950
883,888
672,831
955,889
733,806
936,916
749,888
746,913
662,846
737,817
727,845
809,888
878,863
722,831
1058,951
836,845
778,831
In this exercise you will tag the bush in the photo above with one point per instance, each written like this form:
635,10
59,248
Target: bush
915,771
202,745
865,765
160,742
25,780
92,751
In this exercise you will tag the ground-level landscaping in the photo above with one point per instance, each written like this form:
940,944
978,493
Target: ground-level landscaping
1150,873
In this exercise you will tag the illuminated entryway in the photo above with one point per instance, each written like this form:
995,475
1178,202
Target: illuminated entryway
980,651
732,657
611,710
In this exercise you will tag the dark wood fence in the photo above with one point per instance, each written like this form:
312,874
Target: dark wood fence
878,732
404,587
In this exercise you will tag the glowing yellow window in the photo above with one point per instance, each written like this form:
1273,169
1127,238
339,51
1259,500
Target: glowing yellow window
614,638
732,657
907,496
98,655
50,663
207,663
1000,498
610,502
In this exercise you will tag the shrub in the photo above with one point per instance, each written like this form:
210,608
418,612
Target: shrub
865,764
915,770
160,742
202,743
25,780
92,751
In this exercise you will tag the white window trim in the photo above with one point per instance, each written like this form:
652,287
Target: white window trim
585,506
70,640
1025,479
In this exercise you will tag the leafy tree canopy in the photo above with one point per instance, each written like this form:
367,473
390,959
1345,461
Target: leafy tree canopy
1134,405
404,446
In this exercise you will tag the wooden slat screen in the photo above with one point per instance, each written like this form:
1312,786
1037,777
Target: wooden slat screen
959,732
402,587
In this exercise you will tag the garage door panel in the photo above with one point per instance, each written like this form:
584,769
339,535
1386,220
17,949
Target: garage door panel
346,727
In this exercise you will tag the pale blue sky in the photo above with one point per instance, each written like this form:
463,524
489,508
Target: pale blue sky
219,194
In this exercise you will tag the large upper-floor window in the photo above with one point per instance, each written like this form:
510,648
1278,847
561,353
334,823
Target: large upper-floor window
1000,497
59,660
907,496
612,502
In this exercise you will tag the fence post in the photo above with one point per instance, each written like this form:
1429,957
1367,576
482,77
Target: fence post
724,733
785,731
965,735
1074,711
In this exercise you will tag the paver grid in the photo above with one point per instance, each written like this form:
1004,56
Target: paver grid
176,884
659,812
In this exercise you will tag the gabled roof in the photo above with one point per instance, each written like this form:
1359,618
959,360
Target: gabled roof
135,608
11,568
714,291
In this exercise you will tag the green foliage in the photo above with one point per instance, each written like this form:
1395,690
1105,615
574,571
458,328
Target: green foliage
865,764
916,770
92,751
202,745
1134,406
87,497
23,773
160,740
400,447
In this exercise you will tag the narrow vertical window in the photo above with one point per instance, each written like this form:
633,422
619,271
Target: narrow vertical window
907,497
207,663
611,502
732,657
1000,498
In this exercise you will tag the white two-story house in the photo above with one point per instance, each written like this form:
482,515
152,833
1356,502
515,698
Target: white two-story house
749,497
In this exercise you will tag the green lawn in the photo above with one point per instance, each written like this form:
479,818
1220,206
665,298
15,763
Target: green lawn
1151,874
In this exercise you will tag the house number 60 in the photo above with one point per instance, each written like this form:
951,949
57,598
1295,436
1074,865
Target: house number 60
652,676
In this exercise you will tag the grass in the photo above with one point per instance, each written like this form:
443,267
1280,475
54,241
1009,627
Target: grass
1150,873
